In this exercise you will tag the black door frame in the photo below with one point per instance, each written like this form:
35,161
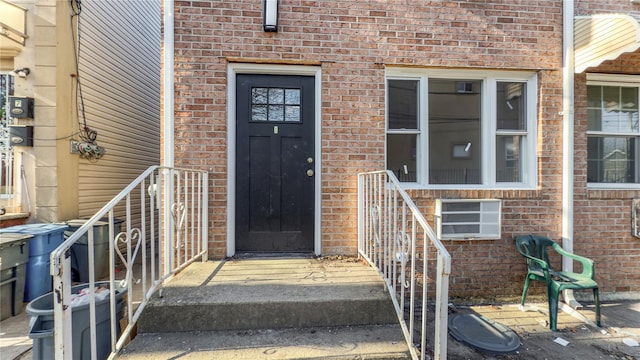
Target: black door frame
268,69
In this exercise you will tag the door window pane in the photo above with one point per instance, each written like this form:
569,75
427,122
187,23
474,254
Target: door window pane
259,96
292,97
454,123
276,96
276,113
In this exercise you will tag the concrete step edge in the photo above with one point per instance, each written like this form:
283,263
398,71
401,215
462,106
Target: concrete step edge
212,317
336,343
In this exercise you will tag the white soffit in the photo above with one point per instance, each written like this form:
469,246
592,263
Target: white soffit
603,37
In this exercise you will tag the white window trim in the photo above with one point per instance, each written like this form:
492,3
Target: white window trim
470,236
489,79
613,80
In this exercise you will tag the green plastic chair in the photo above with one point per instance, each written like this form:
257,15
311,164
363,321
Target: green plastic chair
534,249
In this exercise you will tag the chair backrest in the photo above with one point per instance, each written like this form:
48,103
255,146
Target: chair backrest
534,246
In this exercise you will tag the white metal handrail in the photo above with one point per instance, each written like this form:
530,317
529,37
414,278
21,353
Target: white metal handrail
395,238
165,229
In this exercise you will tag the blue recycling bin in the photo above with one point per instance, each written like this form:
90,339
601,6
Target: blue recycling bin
80,250
46,238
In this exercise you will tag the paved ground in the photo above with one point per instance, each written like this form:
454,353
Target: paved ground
620,320
621,327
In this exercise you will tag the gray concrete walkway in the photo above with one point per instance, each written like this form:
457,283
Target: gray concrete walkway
620,319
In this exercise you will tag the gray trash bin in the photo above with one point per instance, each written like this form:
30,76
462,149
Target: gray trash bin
80,250
41,325
14,255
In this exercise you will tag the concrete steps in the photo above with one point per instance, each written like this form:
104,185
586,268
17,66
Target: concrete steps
362,342
270,308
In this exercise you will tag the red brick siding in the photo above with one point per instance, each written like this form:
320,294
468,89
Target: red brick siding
354,41
603,222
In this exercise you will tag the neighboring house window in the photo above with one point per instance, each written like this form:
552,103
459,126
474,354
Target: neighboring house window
6,152
469,128
613,133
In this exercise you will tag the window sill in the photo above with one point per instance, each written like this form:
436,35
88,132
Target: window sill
11,219
612,193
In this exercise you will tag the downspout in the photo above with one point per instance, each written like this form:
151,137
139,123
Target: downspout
168,136
568,70
167,106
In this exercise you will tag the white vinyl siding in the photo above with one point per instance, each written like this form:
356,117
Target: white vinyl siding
119,67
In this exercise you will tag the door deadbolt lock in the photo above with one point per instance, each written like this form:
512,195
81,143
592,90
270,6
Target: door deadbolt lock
309,173
310,160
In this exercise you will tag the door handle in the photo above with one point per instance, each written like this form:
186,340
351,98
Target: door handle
309,172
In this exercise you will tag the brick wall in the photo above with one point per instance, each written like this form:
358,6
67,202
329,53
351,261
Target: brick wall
353,41
603,222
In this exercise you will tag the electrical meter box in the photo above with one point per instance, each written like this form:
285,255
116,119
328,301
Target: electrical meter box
21,135
21,107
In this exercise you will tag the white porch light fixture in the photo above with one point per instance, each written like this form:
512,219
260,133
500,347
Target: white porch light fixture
270,16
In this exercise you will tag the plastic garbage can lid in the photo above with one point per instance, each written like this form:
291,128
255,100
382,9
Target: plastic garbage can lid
35,229
79,222
483,334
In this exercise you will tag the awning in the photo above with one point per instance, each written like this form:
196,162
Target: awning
603,37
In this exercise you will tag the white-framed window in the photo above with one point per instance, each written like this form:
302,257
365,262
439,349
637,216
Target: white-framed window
462,128
6,151
613,132
459,219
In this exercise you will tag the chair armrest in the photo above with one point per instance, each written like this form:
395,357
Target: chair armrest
587,264
543,264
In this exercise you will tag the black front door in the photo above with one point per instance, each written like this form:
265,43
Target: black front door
275,163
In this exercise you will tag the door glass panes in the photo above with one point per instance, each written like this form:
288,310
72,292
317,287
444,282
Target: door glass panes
454,131
275,104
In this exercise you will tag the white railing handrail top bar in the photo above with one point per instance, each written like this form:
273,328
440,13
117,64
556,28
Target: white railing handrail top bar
418,214
66,245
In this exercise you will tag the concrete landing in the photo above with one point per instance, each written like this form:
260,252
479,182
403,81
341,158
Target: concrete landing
269,294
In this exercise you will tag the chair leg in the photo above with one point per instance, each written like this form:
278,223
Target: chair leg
553,295
525,290
596,301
